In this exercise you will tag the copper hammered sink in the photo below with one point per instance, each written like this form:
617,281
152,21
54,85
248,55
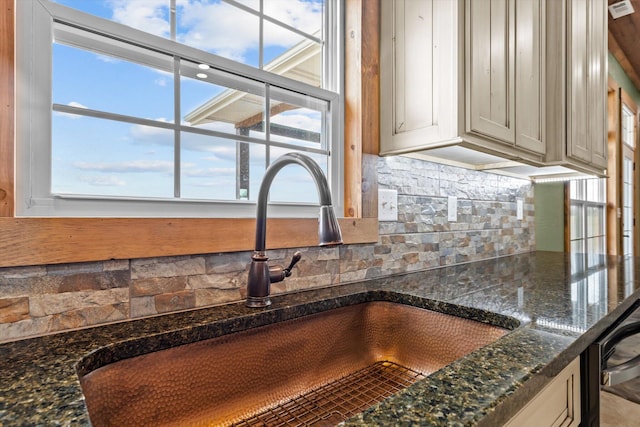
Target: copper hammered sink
315,370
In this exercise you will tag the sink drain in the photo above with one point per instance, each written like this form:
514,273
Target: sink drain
335,402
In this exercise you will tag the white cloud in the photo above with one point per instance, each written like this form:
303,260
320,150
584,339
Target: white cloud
146,15
161,81
221,153
151,135
299,120
217,26
104,181
134,166
209,172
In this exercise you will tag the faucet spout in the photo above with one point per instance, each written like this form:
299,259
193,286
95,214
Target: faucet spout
260,274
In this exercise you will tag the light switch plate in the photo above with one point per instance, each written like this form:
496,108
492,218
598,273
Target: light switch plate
387,205
452,208
520,209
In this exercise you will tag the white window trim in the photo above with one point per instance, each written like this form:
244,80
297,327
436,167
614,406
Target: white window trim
34,123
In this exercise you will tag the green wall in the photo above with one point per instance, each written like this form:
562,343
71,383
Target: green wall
617,73
549,216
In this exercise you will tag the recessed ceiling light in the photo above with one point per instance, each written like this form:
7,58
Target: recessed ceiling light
203,66
201,75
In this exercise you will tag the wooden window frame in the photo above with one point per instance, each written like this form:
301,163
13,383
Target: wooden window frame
38,241
616,98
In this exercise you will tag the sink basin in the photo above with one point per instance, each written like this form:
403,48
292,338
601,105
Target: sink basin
318,369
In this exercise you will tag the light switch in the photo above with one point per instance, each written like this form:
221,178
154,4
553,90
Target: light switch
387,205
452,208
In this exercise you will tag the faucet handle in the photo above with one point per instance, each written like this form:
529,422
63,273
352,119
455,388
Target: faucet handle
297,256
278,274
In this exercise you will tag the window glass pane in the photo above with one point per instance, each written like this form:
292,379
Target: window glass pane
628,126
208,167
220,28
219,101
576,189
595,221
595,251
297,119
257,166
292,55
149,16
588,234
103,157
592,190
304,15
577,256
85,79
293,183
577,224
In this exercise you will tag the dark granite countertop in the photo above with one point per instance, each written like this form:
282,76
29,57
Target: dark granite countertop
555,313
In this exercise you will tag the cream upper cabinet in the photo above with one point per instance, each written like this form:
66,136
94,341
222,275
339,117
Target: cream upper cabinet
577,75
521,79
418,91
463,72
490,52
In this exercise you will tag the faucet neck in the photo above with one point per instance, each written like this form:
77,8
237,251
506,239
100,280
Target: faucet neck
269,175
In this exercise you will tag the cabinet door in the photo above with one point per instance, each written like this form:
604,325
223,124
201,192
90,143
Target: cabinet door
530,75
577,88
418,74
557,405
598,83
587,86
413,37
490,68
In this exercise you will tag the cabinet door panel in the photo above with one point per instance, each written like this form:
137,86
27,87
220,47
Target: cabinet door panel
490,66
413,65
530,75
578,88
598,84
557,405
418,74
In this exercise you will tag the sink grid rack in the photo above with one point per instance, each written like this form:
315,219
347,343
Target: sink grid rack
339,400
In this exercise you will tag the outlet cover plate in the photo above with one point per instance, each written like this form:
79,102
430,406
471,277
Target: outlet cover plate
452,208
387,205
520,209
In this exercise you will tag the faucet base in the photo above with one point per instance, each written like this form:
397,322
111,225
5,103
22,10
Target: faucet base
258,302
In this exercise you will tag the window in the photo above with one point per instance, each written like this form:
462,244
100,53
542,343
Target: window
628,156
628,126
175,108
587,223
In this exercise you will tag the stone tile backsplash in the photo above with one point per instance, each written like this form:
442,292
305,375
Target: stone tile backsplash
36,300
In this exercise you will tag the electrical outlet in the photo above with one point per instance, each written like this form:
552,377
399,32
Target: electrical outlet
452,208
387,205
520,209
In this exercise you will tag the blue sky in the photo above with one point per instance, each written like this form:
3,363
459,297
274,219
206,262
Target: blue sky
97,156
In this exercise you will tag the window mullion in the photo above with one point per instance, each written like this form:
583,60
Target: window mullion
267,124
261,37
176,133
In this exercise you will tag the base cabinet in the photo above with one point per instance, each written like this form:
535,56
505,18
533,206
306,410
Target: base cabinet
557,405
